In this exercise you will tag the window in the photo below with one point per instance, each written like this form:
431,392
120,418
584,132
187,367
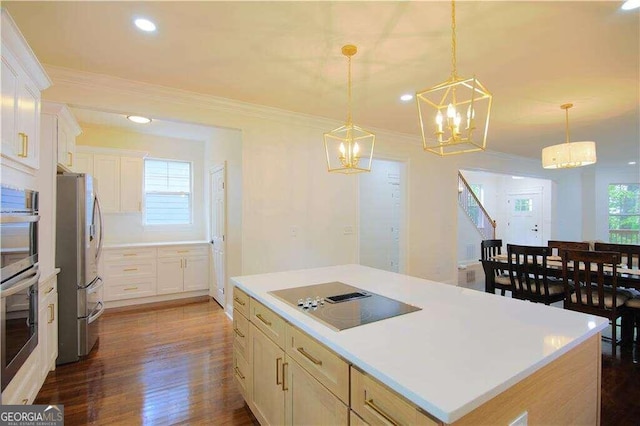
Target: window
624,213
523,205
167,192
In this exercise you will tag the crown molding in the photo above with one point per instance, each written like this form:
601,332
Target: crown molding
157,93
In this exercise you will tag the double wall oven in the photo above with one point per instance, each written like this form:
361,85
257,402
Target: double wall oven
19,278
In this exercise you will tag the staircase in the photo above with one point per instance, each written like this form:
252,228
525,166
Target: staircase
472,206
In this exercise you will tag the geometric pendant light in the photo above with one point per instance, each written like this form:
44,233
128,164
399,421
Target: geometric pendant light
454,115
349,147
569,154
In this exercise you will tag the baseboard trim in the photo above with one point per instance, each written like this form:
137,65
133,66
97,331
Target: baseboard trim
149,304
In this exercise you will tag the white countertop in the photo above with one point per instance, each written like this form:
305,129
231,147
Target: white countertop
462,349
156,244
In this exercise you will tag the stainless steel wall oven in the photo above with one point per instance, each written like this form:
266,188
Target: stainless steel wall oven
19,278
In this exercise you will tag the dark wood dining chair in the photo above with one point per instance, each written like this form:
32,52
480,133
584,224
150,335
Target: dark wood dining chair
629,254
556,246
598,293
529,275
496,277
634,306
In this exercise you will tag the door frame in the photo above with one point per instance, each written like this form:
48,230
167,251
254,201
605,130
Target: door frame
212,171
539,191
405,225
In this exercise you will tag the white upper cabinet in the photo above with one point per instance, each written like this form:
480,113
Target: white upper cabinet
131,171
106,170
23,78
64,135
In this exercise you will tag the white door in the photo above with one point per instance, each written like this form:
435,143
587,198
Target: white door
217,229
524,220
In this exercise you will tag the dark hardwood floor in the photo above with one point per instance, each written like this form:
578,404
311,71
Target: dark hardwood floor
172,365
168,365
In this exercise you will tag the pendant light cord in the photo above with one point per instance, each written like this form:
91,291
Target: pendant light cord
349,119
454,71
567,111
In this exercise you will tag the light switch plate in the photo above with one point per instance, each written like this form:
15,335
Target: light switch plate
348,230
521,420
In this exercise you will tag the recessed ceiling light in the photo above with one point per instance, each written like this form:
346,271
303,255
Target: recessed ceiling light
632,163
630,4
139,119
145,25
406,97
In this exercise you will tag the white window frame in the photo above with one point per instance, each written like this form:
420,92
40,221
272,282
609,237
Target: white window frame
157,226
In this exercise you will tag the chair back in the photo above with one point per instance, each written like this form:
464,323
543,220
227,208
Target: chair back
629,254
528,272
556,246
490,248
595,276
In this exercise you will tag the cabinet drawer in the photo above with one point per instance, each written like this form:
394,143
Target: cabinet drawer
240,302
379,405
129,254
117,289
182,251
322,363
241,335
137,268
241,373
45,289
268,321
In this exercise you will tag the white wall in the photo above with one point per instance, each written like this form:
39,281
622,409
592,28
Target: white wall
129,227
285,181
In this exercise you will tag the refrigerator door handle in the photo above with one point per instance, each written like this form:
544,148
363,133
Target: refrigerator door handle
96,315
92,285
101,240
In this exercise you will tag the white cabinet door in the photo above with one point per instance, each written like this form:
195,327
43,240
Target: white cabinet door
131,169
169,275
106,170
196,273
62,153
28,123
10,81
83,163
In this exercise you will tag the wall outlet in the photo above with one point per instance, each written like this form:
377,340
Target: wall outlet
294,231
348,230
521,420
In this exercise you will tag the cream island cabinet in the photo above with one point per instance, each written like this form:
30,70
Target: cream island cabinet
466,357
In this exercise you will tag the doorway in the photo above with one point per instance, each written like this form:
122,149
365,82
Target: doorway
217,231
382,205
524,218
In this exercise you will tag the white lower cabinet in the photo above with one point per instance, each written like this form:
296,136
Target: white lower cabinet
182,268
135,272
48,328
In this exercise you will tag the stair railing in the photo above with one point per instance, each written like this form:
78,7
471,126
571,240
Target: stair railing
468,200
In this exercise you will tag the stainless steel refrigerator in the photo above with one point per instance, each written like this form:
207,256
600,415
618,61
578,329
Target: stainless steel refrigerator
79,237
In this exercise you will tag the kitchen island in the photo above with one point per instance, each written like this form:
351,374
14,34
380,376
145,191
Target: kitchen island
466,357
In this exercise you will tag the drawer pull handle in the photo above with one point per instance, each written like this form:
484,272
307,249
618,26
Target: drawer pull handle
380,412
130,269
52,317
183,251
238,332
284,375
24,149
25,401
130,288
259,316
49,291
239,373
278,361
129,254
240,302
309,357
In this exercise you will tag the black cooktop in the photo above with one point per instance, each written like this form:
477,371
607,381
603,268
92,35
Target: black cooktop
341,306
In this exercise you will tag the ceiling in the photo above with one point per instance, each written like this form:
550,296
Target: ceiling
533,56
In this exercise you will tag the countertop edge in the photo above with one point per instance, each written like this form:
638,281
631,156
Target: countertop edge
154,244
442,415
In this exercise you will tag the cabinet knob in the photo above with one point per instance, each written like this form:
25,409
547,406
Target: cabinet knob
24,149
69,158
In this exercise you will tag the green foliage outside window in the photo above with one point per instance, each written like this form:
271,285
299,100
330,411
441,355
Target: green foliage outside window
624,213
